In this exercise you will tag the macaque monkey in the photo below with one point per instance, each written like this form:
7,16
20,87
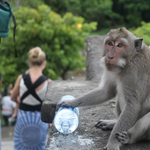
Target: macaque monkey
126,76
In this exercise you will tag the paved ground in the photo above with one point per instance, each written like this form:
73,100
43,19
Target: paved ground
7,138
7,144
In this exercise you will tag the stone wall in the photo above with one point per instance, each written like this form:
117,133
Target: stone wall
94,46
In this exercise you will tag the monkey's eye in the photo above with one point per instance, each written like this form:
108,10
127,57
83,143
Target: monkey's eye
110,43
119,45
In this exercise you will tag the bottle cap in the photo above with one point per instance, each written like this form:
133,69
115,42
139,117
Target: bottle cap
65,126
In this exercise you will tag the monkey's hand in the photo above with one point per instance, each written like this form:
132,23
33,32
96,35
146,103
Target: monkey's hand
123,137
64,103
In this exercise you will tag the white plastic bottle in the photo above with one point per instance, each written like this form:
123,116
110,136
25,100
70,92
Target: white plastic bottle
66,118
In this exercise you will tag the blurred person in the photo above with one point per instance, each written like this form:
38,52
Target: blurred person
0,80
30,132
14,115
7,108
9,88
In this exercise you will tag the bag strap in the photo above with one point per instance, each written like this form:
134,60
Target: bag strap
15,25
2,1
31,87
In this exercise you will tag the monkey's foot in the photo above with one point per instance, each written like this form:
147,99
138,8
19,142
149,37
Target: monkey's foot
105,124
122,137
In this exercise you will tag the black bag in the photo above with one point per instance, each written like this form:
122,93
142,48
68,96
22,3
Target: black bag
6,12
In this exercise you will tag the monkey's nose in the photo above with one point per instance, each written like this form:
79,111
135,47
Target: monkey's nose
110,57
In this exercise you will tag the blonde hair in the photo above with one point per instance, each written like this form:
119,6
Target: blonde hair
36,56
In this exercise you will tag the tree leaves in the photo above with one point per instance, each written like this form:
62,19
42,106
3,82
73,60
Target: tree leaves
59,37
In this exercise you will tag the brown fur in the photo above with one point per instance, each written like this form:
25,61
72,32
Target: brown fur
120,33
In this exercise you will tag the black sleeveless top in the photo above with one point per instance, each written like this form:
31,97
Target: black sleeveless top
31,90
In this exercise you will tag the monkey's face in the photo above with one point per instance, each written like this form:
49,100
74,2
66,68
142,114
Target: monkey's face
115,50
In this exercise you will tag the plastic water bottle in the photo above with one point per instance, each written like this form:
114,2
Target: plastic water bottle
66,118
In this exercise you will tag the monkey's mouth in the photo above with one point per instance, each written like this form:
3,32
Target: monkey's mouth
111,66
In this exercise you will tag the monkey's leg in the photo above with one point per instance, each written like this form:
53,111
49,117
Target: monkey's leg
140,131
106,124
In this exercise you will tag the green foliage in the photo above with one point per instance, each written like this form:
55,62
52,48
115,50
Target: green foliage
95,10
132,12
59,37
107,13
62,7
8,70
143,32
31,3
100,11
26,3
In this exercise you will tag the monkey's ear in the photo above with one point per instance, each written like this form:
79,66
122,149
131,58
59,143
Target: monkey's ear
138,44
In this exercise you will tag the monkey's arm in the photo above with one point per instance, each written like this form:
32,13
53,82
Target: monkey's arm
96,96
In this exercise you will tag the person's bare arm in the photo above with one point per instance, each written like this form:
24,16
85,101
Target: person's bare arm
15,91
48,81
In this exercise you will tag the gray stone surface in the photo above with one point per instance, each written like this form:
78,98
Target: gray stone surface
94,49
57,89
